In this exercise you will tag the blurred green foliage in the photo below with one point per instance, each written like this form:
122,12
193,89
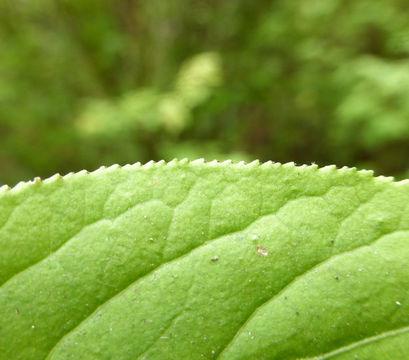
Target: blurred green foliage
85,83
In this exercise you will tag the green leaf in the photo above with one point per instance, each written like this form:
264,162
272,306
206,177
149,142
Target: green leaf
204,261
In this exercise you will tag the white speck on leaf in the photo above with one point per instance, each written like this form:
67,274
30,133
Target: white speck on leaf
398,303
262,251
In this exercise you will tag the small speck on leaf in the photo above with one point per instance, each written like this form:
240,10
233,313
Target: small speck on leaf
262,251
398,303
214,258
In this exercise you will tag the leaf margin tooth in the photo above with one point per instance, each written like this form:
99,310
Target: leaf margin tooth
22,185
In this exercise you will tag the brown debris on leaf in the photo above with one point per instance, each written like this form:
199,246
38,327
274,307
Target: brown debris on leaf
262,251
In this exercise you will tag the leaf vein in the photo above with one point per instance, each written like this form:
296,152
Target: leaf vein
177,258
362,342
265,303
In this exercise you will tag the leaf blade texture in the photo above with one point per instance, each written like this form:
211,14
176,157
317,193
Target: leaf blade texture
193,260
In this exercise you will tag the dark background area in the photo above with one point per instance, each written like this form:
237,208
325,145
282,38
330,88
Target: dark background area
85,83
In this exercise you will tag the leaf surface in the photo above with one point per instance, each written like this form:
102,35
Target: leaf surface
205,261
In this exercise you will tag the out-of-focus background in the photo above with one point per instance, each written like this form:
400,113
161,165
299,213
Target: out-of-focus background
85,83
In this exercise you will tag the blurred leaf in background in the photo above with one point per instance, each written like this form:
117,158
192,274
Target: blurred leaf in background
86,83
151,111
